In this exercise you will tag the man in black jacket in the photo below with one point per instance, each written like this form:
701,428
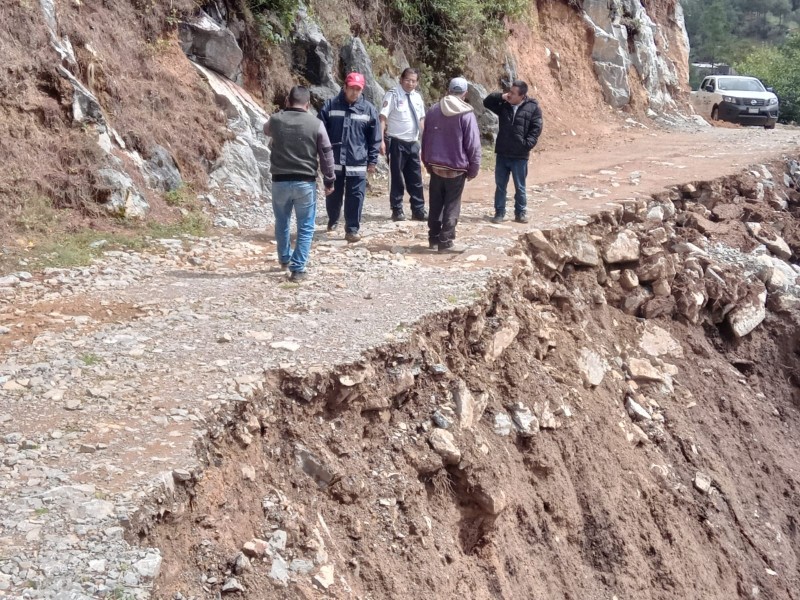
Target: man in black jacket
520,128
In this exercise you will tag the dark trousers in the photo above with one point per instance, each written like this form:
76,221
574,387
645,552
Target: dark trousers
352,190
444,197
404,165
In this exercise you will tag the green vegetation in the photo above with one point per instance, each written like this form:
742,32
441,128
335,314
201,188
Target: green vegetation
274,18
778,67
728,30
449,30
79,248
35,214
757,37
181,197
90,359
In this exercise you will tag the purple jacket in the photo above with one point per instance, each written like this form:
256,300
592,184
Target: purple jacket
451,138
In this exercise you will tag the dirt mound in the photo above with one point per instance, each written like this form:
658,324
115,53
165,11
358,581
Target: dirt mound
597,425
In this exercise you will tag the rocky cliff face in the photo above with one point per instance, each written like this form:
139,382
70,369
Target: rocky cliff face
630,44
153,96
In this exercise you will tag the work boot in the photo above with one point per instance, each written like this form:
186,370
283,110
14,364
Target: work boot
498,218
352,238
522,218
298,276
419,215
398,214
332,227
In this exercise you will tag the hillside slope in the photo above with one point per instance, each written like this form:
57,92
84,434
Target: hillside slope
133,109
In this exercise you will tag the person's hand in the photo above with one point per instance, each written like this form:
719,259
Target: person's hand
383,148
328,191
505,96
371,168
470,178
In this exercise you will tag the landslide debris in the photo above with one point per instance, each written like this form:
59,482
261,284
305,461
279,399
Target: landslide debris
615,417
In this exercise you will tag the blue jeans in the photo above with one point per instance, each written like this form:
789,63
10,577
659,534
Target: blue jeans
518,169
300,196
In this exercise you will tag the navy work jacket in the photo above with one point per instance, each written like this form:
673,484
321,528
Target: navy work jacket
354,133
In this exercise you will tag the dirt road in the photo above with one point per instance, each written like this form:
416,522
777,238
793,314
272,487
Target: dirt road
109,374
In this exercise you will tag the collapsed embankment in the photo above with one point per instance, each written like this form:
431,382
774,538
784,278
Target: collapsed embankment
616,417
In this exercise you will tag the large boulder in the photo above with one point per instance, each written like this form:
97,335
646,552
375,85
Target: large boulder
236,170
243,166
621,247
161,171
204,41
312,56
355,58
746,317
118,195
488,122
85,106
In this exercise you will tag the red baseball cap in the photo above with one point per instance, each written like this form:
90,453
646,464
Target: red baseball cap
355,79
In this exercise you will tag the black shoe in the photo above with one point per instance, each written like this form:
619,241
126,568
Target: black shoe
352,238
419,216
451,249
332,227
398,215
522,218
498,218
433,245
298,276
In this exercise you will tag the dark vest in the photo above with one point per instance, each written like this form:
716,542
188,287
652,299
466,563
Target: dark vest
294,145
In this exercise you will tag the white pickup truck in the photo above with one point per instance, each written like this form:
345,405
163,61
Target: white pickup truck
736,99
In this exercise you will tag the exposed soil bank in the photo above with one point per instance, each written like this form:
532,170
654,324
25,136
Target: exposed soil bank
612,419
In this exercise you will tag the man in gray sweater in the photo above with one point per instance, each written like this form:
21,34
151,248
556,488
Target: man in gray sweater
300,146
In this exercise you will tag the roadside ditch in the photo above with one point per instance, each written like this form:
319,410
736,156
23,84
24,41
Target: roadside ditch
617,417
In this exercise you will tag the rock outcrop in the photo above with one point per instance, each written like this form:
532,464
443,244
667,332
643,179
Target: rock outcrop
627,42
312,56
206,42
243,167
355,58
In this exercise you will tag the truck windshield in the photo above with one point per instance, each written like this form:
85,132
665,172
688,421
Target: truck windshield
740,84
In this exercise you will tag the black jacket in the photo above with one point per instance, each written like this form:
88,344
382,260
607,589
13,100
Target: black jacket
518,134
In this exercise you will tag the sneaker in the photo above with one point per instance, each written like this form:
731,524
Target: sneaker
398,215
332,227
298,276
451,249
419,216
498,219
522,218
352,238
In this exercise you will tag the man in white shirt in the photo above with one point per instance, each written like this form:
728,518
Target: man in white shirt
402,120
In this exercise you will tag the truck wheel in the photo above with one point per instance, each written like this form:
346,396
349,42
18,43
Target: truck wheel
770,126
715,114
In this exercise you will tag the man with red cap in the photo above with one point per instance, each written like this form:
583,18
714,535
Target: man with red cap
355,134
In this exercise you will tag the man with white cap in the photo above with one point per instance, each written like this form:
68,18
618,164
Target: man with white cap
402,120
352,125
451,149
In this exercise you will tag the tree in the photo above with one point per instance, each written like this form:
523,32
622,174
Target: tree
709,27
778,67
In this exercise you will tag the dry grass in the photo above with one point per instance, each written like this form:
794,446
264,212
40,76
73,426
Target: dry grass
442,486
